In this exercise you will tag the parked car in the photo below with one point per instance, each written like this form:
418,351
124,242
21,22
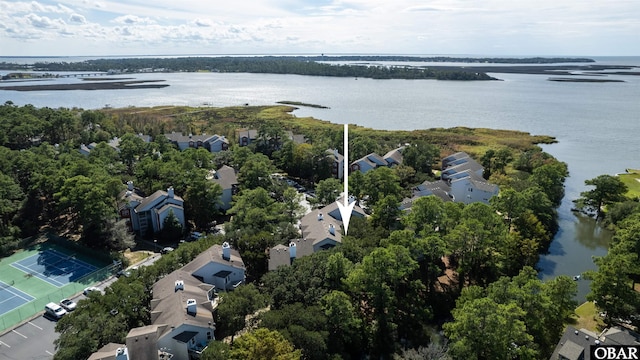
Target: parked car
68,304
91,289
167,249
54,310
123,272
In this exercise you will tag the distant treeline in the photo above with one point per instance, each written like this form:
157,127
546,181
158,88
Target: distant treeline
298,65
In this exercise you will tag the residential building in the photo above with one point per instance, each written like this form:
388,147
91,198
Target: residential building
321,230
220,266
213,143
461,181
394,157
227,178
182,323
111,351
576,344
246,136
337,163
147,214
249,136
373,160
114,143
368,162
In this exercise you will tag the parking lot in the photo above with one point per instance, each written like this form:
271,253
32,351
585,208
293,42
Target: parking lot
33,340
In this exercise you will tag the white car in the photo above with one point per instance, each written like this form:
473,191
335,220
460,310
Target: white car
91,289
68,304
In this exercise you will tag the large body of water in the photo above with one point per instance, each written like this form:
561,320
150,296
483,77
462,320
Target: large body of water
596,124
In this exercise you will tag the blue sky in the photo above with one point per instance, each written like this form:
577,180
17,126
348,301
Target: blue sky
182,27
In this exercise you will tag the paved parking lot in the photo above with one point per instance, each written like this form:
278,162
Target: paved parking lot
34,339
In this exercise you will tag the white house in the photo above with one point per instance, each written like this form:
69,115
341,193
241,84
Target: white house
227,178
220,266
182,323
147,214
461,181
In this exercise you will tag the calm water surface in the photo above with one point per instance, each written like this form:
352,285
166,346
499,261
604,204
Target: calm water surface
596,124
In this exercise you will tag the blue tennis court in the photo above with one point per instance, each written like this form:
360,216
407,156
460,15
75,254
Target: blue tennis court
11,298
54,267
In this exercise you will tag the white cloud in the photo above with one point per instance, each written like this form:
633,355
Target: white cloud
133,20
402,26
77,19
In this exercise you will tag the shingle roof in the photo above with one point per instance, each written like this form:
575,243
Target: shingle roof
147,202
169,304
394,156
214,254
226,177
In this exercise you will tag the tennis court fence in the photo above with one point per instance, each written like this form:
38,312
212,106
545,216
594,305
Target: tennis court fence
28,310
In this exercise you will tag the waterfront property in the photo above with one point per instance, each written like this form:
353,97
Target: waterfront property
213,143
461,181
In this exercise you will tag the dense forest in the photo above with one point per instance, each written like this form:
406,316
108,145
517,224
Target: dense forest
444,281
266,64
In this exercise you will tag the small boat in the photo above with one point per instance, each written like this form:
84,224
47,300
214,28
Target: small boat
576,277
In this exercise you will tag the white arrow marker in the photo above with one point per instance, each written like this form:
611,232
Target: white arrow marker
346,209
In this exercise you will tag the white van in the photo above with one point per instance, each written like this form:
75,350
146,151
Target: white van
54,310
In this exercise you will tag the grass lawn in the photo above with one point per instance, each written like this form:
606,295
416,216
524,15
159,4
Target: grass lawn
632,180
587,318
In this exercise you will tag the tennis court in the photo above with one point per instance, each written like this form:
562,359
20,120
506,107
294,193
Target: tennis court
12,298
54,267
46,272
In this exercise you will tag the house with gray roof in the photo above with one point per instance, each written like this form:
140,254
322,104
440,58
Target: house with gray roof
220,266
394,157
213,143
461,181
320,229
147,214
576,344
182,323
373,160
227,178
114,143
368,162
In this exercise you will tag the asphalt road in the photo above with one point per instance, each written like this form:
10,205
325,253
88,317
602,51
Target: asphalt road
33,340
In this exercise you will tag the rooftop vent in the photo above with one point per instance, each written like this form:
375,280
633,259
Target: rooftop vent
192,306
179,285
226,251
292,249
320,217
332,229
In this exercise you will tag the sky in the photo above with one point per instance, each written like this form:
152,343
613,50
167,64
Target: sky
411,27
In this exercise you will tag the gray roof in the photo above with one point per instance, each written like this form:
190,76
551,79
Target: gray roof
469,165
249,133
316,230
226,177
168,306
575,344
214,254
394,156
147,202
180,138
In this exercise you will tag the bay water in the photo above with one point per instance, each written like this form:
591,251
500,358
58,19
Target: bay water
596,124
